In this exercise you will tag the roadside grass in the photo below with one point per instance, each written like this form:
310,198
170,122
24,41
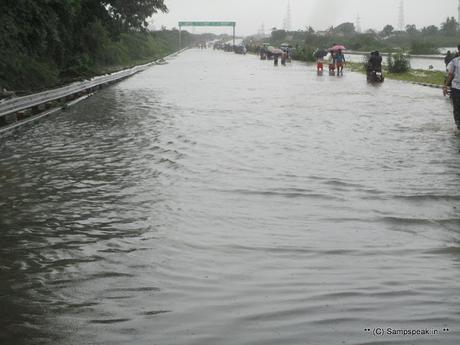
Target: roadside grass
413,75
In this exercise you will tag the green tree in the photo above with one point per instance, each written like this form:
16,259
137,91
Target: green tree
279,35
345,28
449,27
310,30
387,30
133,13
371,32
40,40
430,30
411,29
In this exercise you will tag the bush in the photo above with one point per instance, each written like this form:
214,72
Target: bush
80,66
22,73
398,63
304,54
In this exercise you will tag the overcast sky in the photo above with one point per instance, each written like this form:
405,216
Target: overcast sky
320,14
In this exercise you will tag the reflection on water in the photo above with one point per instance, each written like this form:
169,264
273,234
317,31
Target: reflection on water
220,200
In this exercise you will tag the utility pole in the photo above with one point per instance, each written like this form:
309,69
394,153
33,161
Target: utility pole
261,32
458,18
401,16
288,20
358,23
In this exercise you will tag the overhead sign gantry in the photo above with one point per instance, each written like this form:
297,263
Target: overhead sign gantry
212,24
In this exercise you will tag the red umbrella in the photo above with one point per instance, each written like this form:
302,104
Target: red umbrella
337,47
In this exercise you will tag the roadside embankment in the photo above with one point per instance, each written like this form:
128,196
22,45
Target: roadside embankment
25,74
385,54
420,77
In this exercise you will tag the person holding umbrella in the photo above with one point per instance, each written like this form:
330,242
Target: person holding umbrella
276,54
319,55
339,58
340,61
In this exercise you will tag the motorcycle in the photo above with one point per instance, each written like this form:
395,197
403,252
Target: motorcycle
374,76
374,68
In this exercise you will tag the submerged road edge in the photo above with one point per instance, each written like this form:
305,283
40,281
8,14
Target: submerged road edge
19,111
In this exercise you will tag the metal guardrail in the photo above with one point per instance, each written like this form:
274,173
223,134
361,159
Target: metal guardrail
16,104
25,102
14,125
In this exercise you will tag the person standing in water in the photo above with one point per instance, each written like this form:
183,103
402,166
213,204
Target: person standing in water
340,61
448,58
283,58
453,81
331,63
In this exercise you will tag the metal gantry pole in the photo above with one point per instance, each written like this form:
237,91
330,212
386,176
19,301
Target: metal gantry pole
234,25
180,37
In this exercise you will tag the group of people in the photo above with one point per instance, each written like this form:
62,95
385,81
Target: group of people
335,61
270,53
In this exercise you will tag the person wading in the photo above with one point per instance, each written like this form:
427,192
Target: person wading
340,61
453,80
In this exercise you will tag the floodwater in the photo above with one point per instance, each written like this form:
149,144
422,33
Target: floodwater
435,64
221,200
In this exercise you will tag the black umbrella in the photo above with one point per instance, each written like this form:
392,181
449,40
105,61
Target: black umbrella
320,53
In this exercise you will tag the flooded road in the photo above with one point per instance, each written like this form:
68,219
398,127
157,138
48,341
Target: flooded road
221,200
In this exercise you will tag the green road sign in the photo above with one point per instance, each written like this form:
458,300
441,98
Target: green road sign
207,24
